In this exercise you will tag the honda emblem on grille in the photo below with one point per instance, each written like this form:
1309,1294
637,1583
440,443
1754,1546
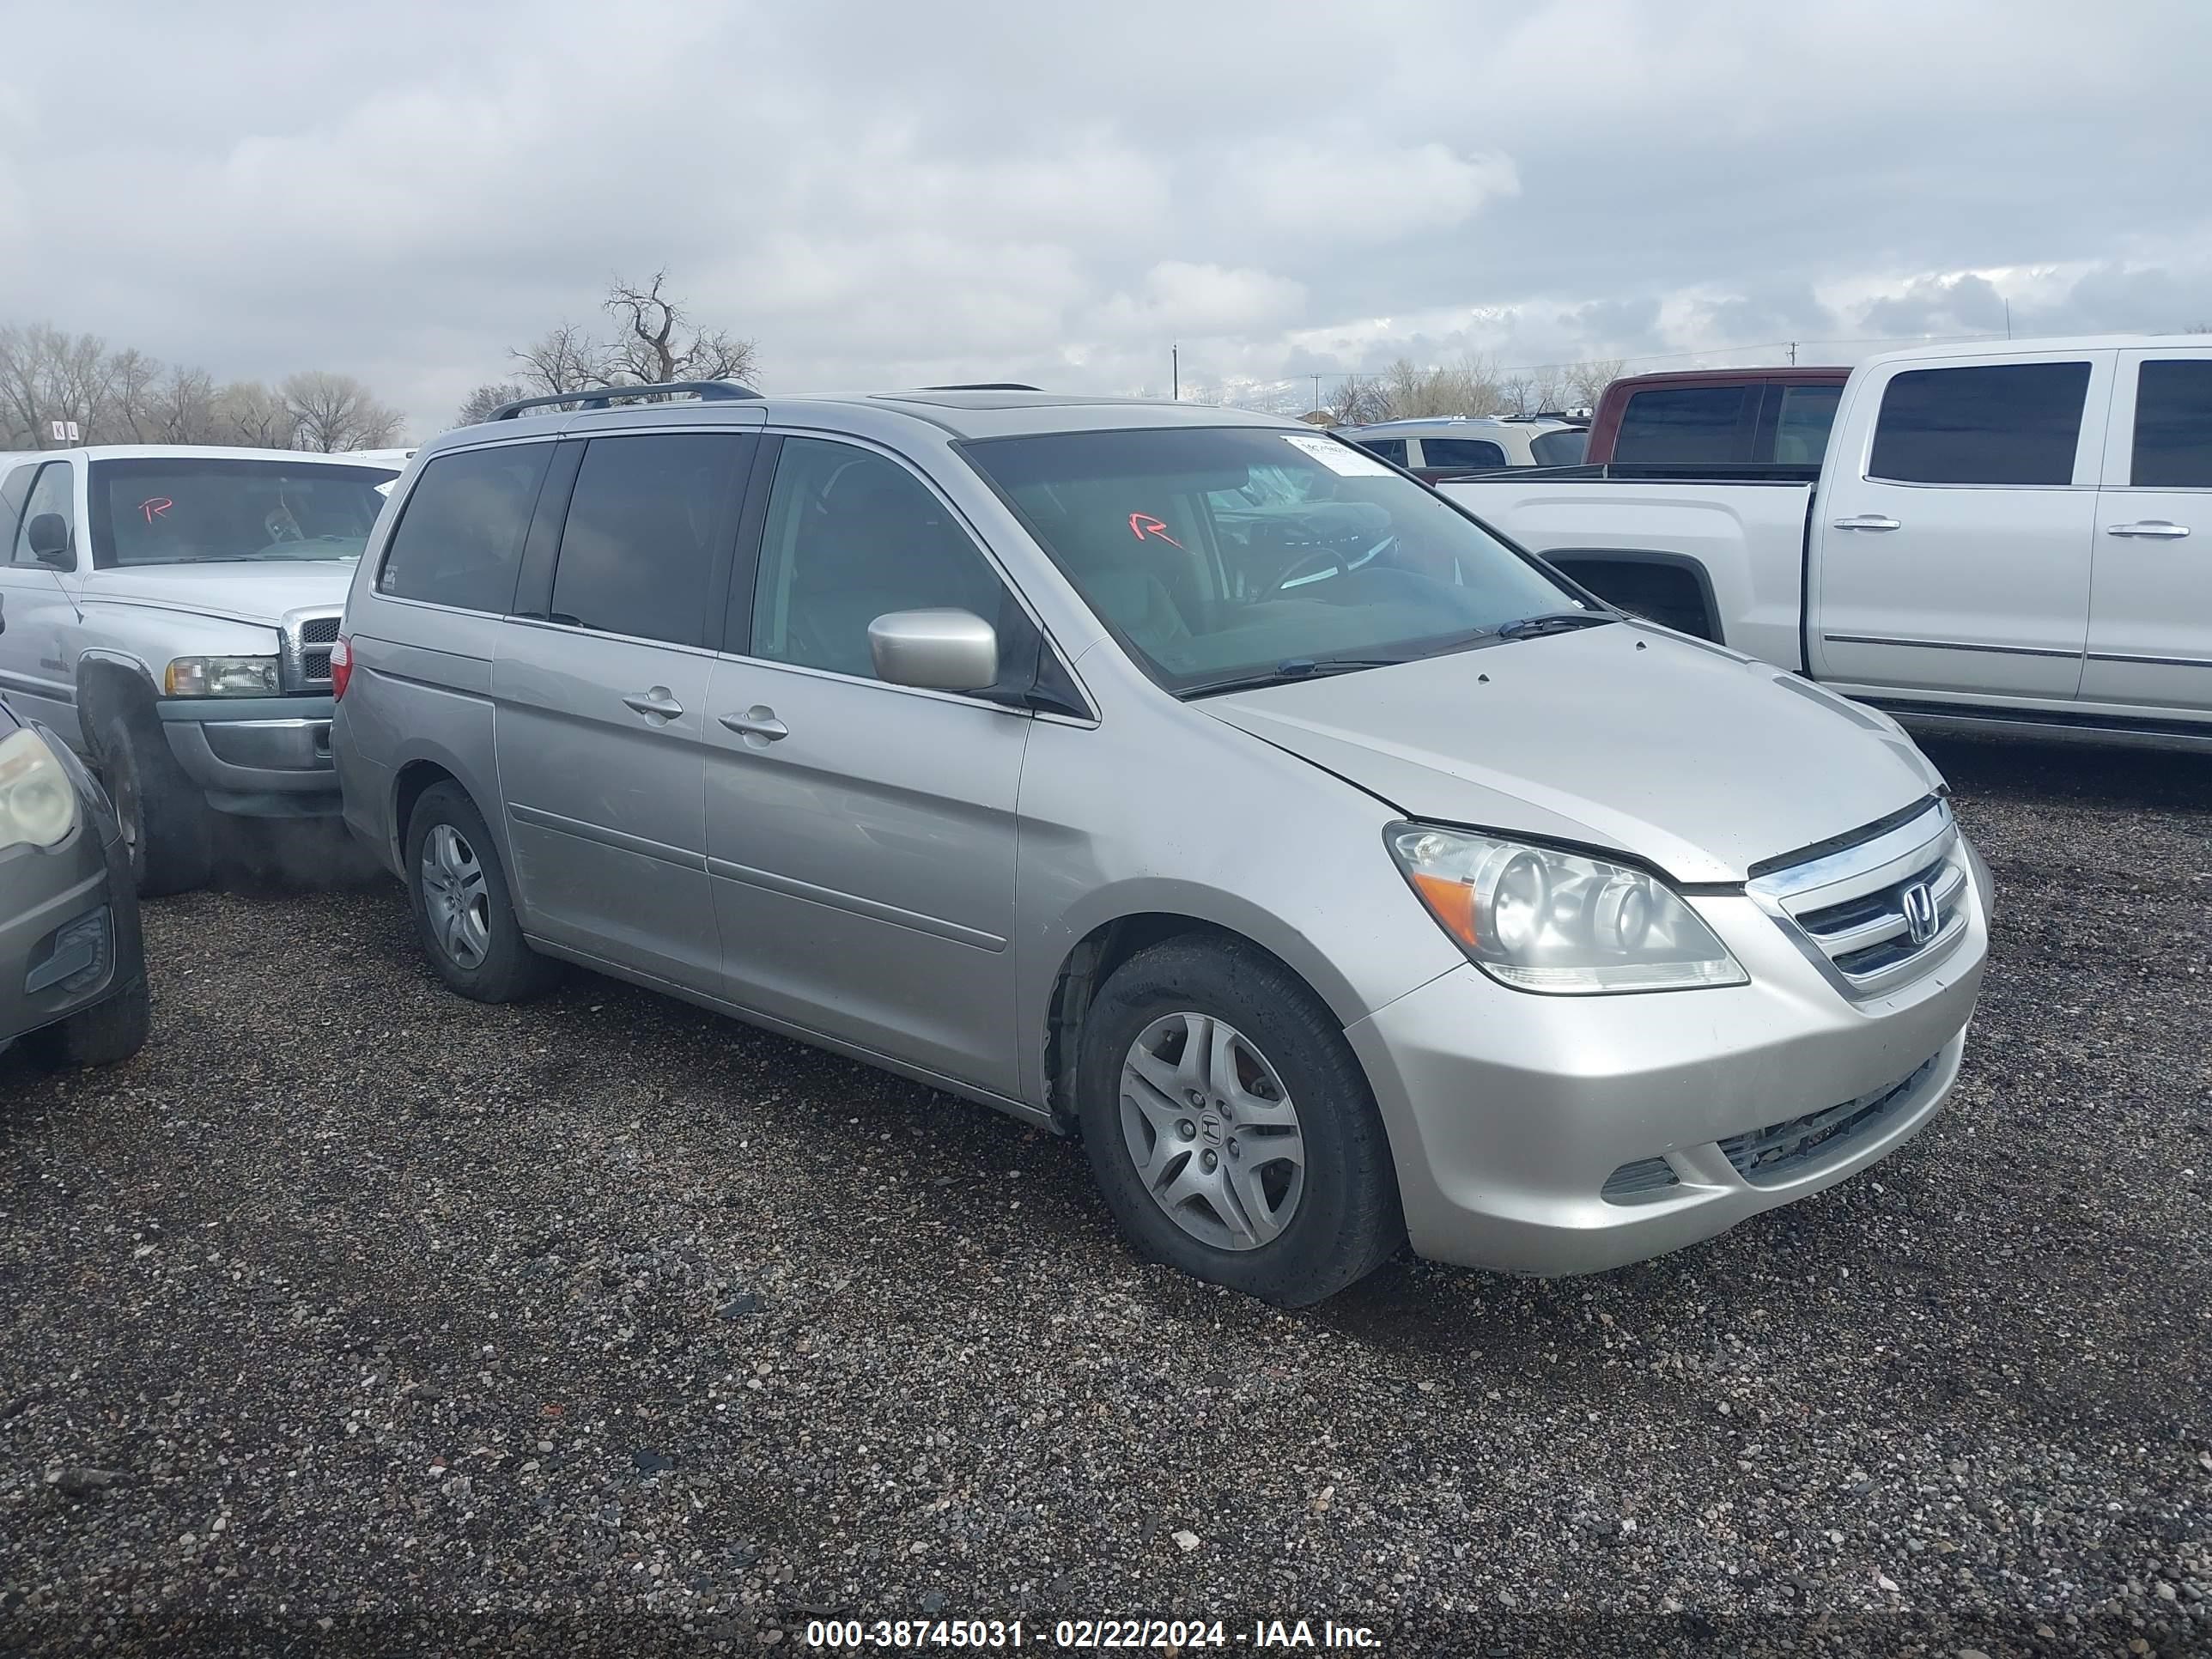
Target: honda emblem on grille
1921,917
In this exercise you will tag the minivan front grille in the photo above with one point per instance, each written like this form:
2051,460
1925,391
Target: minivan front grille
1876,914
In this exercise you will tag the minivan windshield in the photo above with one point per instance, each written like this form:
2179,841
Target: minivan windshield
1221,556
191,509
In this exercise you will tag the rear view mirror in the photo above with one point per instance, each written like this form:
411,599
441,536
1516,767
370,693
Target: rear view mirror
935,650
48,538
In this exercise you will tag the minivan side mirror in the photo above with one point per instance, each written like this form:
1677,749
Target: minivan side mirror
48,536
936,650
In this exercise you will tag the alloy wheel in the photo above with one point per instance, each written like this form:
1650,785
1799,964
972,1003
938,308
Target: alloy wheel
455,898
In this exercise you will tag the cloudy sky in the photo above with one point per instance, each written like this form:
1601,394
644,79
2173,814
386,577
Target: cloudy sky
890,192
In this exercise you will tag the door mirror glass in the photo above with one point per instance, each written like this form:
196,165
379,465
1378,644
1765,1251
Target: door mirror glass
48,535
936,650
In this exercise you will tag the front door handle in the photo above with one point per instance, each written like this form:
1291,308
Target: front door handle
2163,529
758,721
1867,521
657,704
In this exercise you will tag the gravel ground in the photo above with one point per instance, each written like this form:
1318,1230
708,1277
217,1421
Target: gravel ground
352,1317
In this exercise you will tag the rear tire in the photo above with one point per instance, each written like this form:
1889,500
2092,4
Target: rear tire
1252,1068
167,825
102,1034
463,914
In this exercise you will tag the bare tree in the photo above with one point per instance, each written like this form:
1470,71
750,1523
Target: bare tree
656,341
1586,382
46,375
1360,400
183,405
659,341
564,359
248,413
132,377
333,412
478,404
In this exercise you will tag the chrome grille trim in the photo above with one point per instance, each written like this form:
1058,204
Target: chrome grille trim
1846,909
304,660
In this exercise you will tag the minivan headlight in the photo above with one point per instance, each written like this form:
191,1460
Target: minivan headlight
1538,919
221,677
37,801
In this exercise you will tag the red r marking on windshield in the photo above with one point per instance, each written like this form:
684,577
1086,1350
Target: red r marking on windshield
1142,525
154,505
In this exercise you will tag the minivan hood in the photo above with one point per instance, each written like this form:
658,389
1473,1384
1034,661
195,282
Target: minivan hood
242,592
1687,756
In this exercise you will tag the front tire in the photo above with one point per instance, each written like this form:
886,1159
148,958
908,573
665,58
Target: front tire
103,1034
166,822
463,914
1230,1126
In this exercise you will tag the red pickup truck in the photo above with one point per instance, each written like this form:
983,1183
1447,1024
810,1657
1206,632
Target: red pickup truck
1718,416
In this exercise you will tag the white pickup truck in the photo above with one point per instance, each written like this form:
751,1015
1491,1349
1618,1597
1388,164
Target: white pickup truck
170,612
2011,537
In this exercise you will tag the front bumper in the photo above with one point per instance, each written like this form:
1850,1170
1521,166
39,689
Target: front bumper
69,929
1509,1112
256,756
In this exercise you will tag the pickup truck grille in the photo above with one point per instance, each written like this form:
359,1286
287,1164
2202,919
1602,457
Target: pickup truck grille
1877,912
307,641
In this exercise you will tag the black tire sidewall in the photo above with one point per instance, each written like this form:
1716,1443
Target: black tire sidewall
172,842
1347,1220
510,970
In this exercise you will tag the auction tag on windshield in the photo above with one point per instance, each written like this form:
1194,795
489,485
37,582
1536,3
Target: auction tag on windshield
1339,458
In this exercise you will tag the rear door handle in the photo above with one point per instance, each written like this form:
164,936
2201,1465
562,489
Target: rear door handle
2163,529
658,703
758,722
1867,521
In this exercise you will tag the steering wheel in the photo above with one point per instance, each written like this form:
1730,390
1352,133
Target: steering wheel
1322,558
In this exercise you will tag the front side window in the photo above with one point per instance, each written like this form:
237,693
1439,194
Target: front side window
1225,552
2174,424
458,541
649,515
851,535
1800,429
54,491
1461,452
194,510
1998,423
1692,425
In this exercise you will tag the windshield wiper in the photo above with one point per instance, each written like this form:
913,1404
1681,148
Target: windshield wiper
1293,668
1558,621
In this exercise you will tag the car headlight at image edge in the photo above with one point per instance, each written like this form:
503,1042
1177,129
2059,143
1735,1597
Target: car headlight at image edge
1540,919
221,677
38,802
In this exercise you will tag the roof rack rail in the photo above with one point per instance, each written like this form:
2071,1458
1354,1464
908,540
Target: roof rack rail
986,386
601,397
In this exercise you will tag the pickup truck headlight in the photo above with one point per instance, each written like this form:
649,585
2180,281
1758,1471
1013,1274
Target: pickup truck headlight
1538,919
221,677
38,802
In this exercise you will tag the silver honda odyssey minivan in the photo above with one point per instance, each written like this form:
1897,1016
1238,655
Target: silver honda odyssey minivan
1177,778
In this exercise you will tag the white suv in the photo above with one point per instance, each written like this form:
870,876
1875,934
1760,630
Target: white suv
1466,443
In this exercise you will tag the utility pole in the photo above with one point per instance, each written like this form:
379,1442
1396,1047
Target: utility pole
1793,354
1174,370
1317,402
2007,305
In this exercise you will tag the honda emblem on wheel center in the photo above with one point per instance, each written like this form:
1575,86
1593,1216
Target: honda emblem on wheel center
1921,918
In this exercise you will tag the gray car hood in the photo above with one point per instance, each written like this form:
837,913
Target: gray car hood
1692,758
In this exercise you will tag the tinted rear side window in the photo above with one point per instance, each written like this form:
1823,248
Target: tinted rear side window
1564,447
1696,424
2004,423
648,517
1461,452
1800,429
1390,449
458,541
2173,425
